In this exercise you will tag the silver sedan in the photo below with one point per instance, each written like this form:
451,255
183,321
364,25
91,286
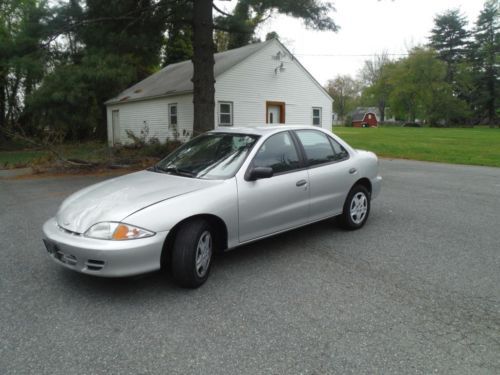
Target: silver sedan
222,189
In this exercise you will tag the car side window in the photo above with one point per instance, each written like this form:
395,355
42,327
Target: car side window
279,153
317,147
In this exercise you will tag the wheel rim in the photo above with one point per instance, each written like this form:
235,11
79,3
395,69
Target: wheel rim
203,253
359,208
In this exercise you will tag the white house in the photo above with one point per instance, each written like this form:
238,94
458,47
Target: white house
256,84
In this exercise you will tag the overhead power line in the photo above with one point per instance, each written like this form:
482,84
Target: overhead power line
345,55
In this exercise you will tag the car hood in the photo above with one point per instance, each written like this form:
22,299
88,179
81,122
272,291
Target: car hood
115,199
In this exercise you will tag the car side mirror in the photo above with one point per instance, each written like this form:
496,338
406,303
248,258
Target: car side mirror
258,173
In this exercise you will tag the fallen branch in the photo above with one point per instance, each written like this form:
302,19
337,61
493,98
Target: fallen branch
45,145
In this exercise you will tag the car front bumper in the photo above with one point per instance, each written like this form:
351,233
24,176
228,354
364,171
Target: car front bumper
103,257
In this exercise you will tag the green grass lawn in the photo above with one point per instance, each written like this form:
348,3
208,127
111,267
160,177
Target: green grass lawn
90,151
478,146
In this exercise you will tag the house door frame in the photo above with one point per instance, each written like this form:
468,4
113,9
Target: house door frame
115,126
281,106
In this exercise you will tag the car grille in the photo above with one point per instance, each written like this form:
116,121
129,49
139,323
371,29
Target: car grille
70,259
63,257
94,265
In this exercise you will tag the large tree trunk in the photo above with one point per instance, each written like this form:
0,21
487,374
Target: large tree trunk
2,105
381,108
203,63
491,98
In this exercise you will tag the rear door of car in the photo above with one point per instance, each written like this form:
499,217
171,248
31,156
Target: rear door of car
271,205
330,170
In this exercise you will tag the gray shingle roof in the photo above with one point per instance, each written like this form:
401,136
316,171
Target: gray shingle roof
175,79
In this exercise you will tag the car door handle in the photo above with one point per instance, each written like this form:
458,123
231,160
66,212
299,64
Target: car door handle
301,183
352,170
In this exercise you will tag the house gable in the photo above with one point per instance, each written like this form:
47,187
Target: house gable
275,43
258,80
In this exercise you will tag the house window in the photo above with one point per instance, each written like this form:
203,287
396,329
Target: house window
316,115
172,114
225,113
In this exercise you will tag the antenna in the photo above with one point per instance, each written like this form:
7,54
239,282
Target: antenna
278,56
279,69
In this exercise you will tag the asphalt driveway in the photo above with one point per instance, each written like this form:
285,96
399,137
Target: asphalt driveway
417,290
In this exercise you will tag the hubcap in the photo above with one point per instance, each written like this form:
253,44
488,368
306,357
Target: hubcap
203,253
359,207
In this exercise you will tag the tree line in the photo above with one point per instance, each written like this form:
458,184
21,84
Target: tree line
453,80
60,61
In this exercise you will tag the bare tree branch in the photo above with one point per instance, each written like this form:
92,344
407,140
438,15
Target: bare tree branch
45,144
221,11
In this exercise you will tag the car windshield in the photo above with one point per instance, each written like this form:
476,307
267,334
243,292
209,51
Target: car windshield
210,156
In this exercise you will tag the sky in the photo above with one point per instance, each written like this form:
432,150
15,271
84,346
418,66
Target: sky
367,27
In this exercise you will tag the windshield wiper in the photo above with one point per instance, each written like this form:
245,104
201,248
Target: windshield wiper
173,170
154,168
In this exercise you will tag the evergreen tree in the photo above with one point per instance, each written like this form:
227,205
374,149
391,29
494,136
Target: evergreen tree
241,24
125,28
449,38
67,26
272,35
111,45
23,54
178,46
178,43
485,56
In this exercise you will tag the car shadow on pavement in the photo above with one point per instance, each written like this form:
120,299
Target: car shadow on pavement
256,253
288,242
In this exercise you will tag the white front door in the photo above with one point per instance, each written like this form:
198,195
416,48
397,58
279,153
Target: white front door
115,122
273,114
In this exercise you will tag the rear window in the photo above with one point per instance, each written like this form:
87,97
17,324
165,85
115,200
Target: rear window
319,148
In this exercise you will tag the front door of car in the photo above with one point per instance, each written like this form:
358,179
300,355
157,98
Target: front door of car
271,205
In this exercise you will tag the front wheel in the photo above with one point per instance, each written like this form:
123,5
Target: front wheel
192,254
356,208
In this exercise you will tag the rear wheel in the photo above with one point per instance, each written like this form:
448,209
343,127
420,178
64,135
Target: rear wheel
192,253
356,208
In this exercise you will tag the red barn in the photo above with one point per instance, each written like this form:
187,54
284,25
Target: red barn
363,118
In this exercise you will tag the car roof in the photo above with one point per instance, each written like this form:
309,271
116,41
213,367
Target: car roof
261,130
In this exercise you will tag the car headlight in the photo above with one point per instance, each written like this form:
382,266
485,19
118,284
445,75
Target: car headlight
116,231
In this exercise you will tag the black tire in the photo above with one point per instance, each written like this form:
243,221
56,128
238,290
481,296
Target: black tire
186,249
359,195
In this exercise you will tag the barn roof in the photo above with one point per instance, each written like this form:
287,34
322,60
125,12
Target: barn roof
175,79
359,113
